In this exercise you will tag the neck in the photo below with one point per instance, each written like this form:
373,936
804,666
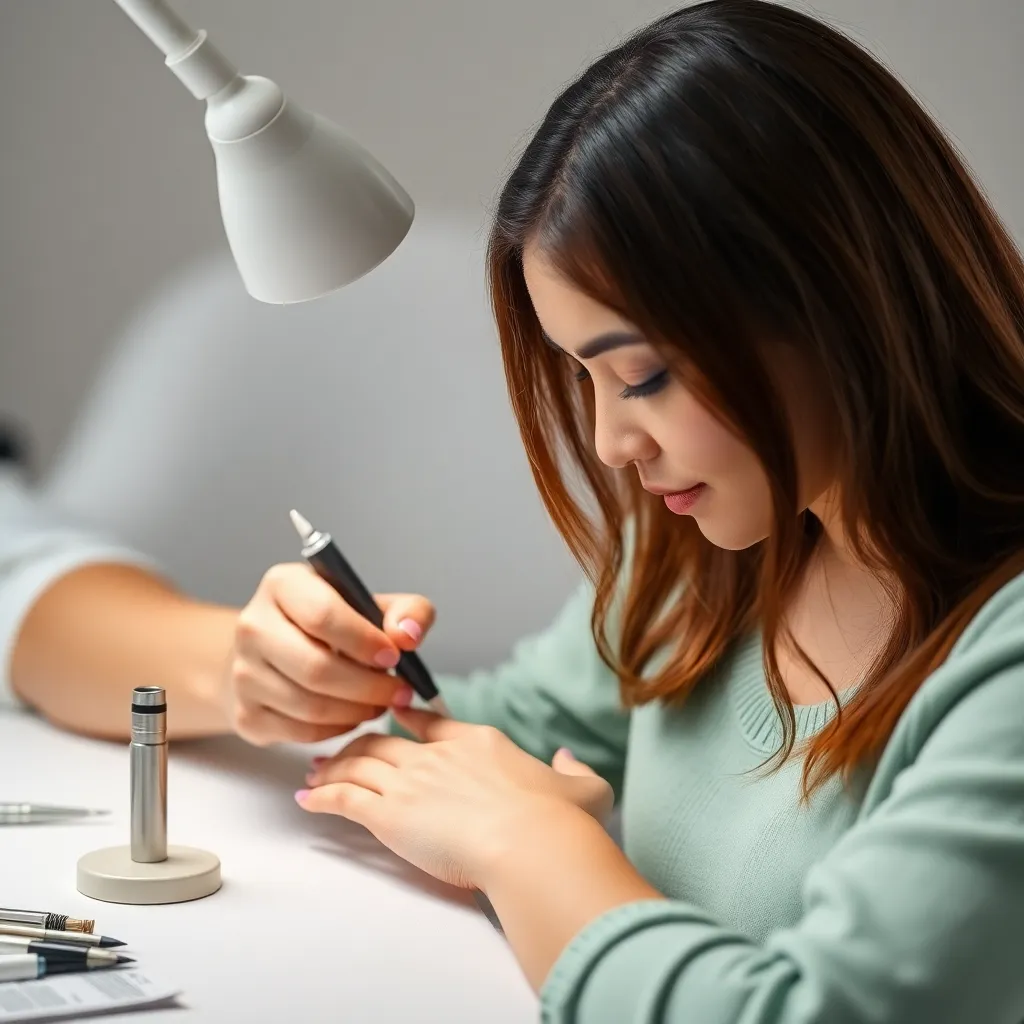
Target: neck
837,543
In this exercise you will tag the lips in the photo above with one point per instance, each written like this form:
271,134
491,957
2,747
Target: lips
682,502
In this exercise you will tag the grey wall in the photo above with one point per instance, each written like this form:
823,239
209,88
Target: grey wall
105,177
108,210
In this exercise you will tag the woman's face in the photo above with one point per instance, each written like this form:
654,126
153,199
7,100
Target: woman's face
647,419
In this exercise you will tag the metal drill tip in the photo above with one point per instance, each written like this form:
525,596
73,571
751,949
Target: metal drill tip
303,527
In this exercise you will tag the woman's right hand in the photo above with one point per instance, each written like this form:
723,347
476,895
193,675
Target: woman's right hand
306,666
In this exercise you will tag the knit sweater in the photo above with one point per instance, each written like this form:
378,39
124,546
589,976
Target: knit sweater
899,901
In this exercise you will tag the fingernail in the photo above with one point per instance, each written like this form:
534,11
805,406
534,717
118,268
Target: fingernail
310,778
387,658
411,628
402,698
301,795
566,752
317,761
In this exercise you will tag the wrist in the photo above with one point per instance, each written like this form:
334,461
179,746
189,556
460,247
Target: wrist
538,832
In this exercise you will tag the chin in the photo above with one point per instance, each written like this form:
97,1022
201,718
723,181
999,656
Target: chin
730,536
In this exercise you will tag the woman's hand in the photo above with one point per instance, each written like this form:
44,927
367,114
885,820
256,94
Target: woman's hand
454,804
306,666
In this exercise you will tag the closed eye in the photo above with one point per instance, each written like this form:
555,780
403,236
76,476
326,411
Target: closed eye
651,386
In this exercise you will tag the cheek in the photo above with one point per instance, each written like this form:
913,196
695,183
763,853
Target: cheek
699,445
736,511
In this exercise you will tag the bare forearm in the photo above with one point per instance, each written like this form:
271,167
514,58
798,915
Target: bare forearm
553,881
101,631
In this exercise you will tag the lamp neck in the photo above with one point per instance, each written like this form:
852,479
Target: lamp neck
203,69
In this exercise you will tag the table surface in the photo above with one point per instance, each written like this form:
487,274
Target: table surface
315,921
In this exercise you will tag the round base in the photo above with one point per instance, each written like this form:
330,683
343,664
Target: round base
111,875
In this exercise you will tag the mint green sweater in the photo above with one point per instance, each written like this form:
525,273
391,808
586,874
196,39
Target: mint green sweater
902,903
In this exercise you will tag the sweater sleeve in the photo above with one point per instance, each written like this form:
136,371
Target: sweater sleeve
916,916
553,691
37,548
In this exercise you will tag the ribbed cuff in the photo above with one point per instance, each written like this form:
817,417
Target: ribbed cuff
563,988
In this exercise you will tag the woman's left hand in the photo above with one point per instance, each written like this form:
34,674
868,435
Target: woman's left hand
455,803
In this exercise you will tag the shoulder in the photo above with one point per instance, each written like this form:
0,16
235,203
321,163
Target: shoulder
974,701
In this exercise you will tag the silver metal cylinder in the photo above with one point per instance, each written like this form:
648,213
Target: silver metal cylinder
149,774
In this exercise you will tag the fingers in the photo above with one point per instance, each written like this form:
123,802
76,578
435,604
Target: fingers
278,693
343,798
565,763
261,727
407,618
269,708
320,612
317,668
370,772
391,750
307,665
431,728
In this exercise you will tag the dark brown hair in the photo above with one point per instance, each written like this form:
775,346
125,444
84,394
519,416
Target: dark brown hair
737,170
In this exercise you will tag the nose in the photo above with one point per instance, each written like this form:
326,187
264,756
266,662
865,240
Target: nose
619,439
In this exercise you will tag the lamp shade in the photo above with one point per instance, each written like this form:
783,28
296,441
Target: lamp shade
306,209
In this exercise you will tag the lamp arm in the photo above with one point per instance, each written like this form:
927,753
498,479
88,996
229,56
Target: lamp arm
203,69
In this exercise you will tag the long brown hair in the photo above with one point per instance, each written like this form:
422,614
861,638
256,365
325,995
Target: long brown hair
737,169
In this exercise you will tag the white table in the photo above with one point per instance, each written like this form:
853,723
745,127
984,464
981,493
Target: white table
316,921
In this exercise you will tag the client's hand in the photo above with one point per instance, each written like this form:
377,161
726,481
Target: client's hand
456,804
306,666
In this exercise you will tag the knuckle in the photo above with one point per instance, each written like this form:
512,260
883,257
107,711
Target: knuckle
275,575
241,670
317,666
321,616
312,708
250,727
490,737
247,627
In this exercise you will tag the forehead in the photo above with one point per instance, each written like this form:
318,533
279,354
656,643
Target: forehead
568,316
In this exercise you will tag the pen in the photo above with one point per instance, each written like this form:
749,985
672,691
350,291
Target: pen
40,919
30,814
323,556
57,954
21,967
51,935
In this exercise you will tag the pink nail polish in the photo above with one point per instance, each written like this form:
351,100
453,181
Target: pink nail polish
402,697
316,762
567,753
411,628
387,658
301,795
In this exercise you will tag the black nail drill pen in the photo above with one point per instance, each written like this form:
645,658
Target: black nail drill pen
323,556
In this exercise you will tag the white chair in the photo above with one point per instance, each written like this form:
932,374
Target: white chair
380,412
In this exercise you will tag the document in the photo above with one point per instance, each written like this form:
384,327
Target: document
80,994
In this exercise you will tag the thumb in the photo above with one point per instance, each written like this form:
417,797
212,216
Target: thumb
407,618
591,793
566,764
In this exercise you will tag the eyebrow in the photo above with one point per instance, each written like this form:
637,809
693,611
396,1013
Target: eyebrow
603,343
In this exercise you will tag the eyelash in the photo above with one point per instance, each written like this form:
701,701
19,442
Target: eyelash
644,390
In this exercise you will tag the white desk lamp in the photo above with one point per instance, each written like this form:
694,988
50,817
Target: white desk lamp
306,209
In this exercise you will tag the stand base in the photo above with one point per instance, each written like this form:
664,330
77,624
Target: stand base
111,875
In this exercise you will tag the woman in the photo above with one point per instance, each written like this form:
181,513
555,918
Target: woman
750,297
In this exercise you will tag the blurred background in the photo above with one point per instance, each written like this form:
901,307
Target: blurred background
162,403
